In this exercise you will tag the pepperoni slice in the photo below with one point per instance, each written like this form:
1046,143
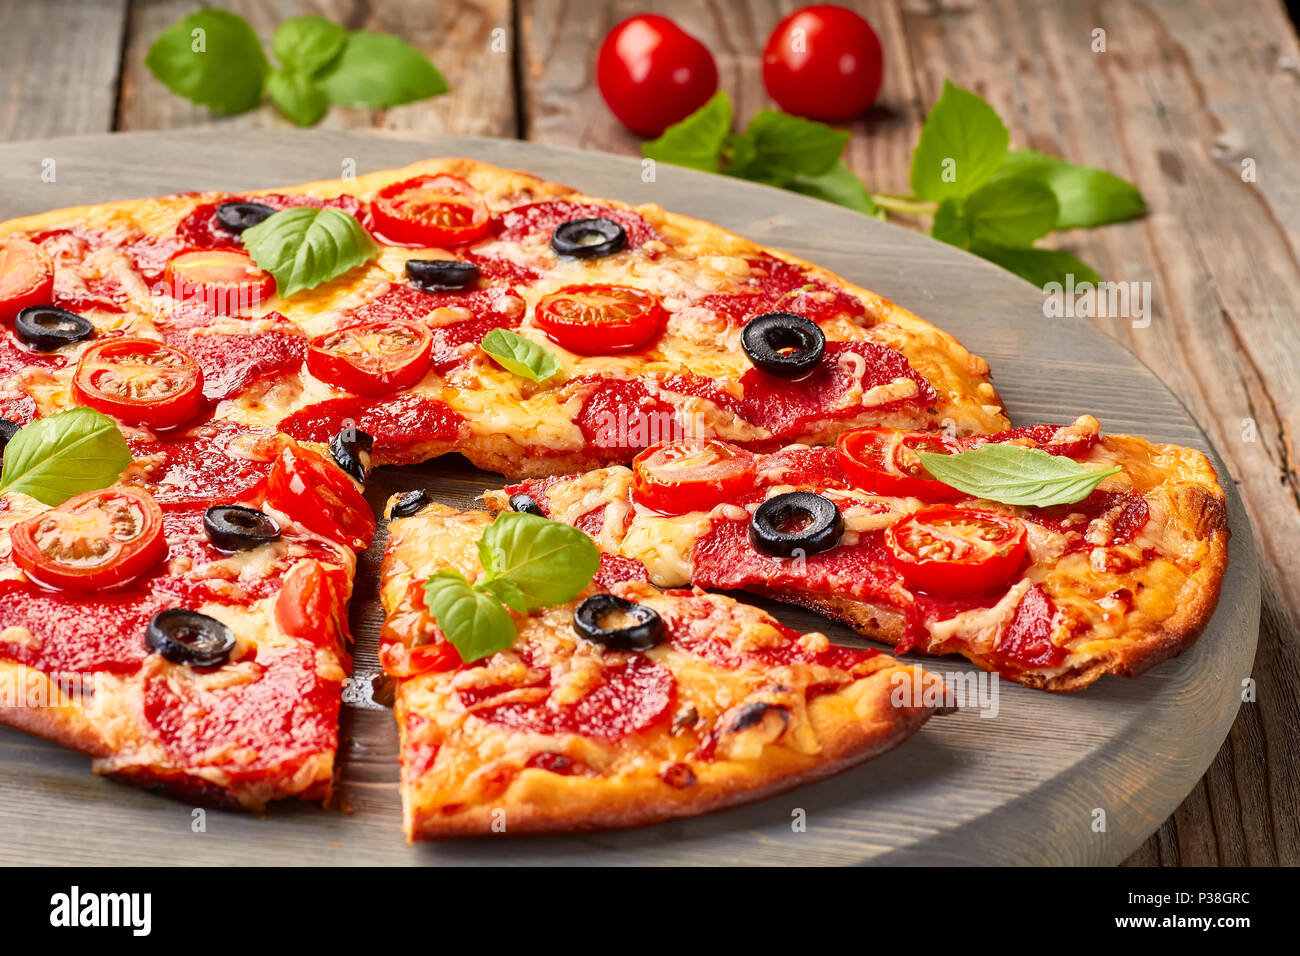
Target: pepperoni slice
19,409
251,730
1027,643
778,286
614,569
1043,437
393,422
633,697
77,633
536,220
622,416
817,467
788,409
197,467
232,362
200,230
1128,512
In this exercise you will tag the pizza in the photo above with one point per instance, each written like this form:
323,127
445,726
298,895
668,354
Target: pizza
626,706
1050,597
644,315
188,632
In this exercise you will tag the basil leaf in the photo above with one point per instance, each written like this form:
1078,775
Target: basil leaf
304,246
308,43
505,591
951,224
547,561
520,355
841,186
1039,266
962,143
213,58
1085,196
63,455
475,623
378,70
696,141
1015,475
795,144
1010,212
297,96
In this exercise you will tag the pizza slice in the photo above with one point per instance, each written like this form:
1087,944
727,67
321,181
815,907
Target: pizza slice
1053,555
535,329
187,626
594,703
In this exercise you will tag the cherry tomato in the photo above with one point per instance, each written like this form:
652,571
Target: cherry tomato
653,73
226,280
140,381
440,211
26,277
600,319
96,540
957,551
823,62
375,358
310,602
884,461
320,497
691,475
398,660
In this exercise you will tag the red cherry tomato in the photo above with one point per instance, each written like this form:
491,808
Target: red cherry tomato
600,319
823,62
140,382
691,475
309,604
957,551
375,358
884,461
398,660
441,211
26,277
226,280
320,497
96,540
653,73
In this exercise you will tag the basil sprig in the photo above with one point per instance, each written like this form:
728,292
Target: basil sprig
63,455
305,246
1015,475
528,562
520,355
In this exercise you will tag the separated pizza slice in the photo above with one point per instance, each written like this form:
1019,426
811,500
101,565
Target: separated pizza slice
1051,556
592,704
187,627
549,332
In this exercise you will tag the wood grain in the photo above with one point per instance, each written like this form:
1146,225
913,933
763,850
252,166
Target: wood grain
1023,787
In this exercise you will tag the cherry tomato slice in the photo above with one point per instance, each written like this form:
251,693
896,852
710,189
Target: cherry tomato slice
320,497
957,551
226,280
375,358
140,381
440,211
398,660
691,475
884,461
600,319
26,277
96,540
310,605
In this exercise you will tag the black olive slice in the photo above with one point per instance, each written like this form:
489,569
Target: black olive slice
188,637
235,217
525,504
409,504
8,430
588,238
783,344
643,630
351,451
439,275
45,328
236,528
814,524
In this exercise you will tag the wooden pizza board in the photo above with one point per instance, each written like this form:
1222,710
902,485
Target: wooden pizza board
1083,778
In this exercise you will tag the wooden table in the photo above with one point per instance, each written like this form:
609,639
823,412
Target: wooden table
1186,92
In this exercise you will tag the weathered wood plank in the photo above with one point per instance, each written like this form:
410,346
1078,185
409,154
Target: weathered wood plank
1185,91
458,37
59,88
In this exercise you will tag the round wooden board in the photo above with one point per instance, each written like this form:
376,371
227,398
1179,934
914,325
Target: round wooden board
1028,785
